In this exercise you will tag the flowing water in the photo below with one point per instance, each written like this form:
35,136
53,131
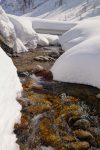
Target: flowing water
55,115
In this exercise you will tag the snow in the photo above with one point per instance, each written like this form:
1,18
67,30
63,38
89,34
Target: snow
42,41
25,28
48,39
24,31
81,62
7,32
54,27
19,46
18,36
69,10
10,88
13,7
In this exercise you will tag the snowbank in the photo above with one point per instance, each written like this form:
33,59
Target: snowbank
46,26
24,31
10,88
81,63
24,27
7,32
48,39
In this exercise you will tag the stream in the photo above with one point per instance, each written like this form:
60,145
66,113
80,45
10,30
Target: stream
55,115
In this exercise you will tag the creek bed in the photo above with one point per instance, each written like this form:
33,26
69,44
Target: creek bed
55,115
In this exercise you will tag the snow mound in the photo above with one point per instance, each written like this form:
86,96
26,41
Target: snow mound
48,39
53,39
10,88
42,41
24,31
81,63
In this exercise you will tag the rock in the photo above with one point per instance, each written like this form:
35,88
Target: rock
95,131
98,96
28,84
73,119
23,74
82,124
79,146
37,69
51,59
85,135
37,87
46,74
44,58
54,54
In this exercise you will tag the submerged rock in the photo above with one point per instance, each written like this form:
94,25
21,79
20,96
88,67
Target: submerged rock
82,124
85,135
79,146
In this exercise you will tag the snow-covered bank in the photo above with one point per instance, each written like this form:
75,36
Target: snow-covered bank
51,26
24,31
40,25
10,88
7,32
25,28
81,63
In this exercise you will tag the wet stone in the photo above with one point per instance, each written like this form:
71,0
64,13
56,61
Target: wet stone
51,111
85,135
79,146
82,124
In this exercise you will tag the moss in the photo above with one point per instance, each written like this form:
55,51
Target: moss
38,109
71,100
39,99
28,84
24,122
48,135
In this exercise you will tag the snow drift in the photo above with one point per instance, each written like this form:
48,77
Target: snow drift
81,63
10,88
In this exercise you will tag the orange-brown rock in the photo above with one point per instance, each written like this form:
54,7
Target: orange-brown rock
85,135
79,146
69,138
28,84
